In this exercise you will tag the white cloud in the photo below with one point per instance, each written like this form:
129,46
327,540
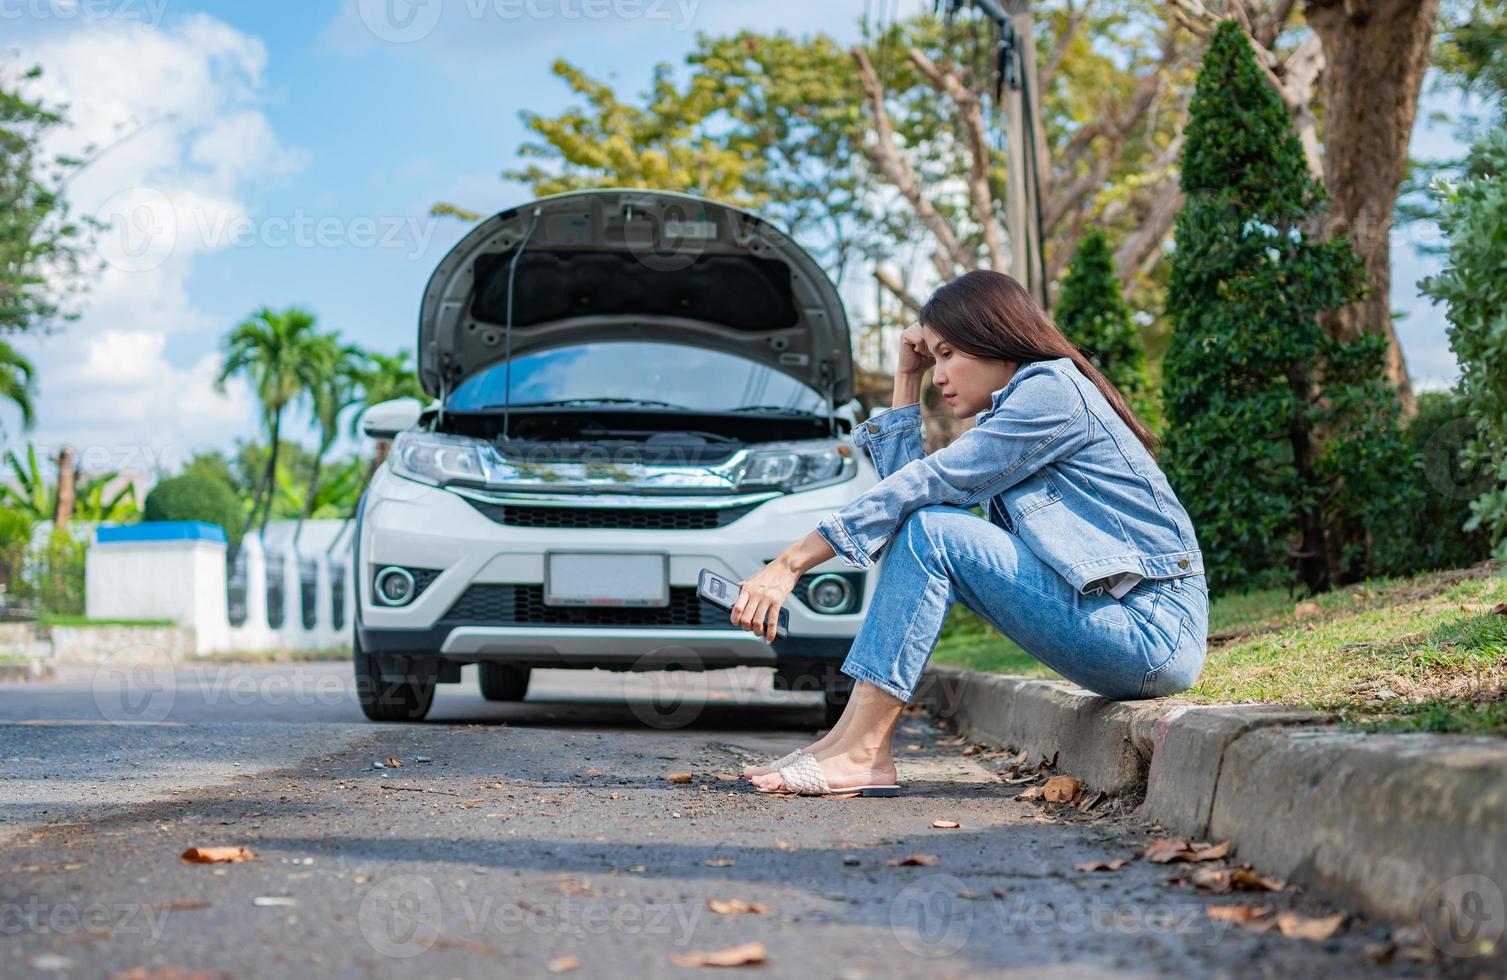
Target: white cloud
175,113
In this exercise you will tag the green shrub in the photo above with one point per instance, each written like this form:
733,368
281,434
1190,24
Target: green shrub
195,497
1281,442
1092,312
1473,213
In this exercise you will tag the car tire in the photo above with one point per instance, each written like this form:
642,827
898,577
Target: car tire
388,700
500,682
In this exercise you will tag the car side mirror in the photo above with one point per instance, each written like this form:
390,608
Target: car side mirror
385,420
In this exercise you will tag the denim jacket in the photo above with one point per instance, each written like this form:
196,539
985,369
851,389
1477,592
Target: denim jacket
1052,462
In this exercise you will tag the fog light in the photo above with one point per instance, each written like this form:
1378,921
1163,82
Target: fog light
395,586
829,594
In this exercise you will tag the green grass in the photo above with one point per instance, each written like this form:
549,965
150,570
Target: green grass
59,619
1424,653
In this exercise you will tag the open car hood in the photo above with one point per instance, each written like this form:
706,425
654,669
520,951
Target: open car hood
633,265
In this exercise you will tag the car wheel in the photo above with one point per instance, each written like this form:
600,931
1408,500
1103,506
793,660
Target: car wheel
389,700
499,682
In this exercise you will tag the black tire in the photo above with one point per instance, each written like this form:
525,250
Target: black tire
500,682
389,700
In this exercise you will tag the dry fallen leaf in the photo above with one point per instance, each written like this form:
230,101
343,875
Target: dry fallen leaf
1029,793
732,956
910,860
1245,915
785,845
946,824
589,772
719,862
1250,881
1061,789
394,763
1295,925
679,777
1500,609
1114,865
1211,852
216,855
973,750
1167,849
734,906
563,964
1306,609
617,796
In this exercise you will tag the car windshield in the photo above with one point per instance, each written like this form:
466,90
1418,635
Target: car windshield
630,372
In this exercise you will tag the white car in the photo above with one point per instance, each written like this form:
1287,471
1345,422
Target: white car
629,386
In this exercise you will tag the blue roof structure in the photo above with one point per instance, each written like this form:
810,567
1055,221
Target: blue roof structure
160,531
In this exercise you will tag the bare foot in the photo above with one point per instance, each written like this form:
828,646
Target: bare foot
840,769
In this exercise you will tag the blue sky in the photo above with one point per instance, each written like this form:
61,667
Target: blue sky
294,155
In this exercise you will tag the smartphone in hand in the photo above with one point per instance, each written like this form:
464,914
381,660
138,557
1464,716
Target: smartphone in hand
724,592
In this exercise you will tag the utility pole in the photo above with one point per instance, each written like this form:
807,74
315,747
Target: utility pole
1016,93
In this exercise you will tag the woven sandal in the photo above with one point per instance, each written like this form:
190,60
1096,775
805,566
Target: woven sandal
804,777
780,763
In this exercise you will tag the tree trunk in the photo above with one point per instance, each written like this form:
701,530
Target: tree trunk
270,480
1313,546
67,482
1375,54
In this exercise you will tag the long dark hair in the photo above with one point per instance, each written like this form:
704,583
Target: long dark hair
989,315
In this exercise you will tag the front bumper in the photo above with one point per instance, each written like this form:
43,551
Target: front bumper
484,602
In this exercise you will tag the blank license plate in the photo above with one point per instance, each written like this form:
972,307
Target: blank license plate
598,579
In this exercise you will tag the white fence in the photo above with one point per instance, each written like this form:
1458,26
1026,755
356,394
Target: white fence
279,596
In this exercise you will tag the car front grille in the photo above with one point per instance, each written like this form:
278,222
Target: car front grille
612,518
523,605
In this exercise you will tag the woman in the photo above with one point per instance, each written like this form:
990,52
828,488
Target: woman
1087,560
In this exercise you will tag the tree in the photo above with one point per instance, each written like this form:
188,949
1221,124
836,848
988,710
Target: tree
337,389
195,497
1281,439
18,384
282,357
1474,284
31,493
1094,315
42,251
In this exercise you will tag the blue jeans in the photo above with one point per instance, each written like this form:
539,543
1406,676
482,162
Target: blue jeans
1148,644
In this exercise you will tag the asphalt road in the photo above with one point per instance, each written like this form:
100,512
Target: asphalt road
516,836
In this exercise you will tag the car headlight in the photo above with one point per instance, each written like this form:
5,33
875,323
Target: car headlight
795,466
438,459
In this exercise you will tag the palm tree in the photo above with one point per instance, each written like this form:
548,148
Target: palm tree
18,383
282,357
337,390
387,377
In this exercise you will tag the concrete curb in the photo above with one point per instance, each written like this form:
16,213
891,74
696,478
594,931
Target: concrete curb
1401,826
